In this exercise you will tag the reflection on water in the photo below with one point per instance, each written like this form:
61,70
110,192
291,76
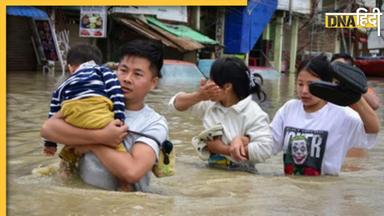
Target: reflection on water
195,189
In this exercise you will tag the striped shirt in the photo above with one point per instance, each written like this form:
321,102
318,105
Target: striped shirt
87,81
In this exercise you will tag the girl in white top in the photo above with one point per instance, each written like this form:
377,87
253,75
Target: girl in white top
225,99
315,134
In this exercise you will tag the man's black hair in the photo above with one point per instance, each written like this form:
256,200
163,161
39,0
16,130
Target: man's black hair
81,53
149,49
344,56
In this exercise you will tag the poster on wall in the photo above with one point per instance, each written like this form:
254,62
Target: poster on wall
47,40
93,22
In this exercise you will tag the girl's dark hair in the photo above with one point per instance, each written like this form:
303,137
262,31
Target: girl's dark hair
149,49
234,71
81,53
318,66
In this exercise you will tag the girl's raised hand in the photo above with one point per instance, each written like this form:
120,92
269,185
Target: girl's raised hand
208,90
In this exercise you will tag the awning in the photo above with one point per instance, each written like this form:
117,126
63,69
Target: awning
150,31
27,11
182,31
244,25
143,29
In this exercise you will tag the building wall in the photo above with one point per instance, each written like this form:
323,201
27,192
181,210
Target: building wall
74,34
69,21
316,39
20,52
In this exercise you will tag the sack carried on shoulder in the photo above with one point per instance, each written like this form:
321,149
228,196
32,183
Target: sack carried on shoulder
165,166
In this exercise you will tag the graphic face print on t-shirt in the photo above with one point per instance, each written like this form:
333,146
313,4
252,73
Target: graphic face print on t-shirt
299,149
303,151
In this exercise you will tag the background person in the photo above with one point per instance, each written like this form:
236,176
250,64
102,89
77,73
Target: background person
371,96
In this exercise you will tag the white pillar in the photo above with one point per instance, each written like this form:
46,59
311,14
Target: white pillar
278,42
294,39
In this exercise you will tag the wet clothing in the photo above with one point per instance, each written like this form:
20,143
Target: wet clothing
87,81
245,118
148,122
92,113
316,143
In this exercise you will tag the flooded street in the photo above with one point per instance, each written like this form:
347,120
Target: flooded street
195,189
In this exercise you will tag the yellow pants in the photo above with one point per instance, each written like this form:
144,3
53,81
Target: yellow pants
89,113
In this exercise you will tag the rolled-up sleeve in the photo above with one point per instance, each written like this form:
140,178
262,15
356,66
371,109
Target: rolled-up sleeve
171,103
260,146
198,110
